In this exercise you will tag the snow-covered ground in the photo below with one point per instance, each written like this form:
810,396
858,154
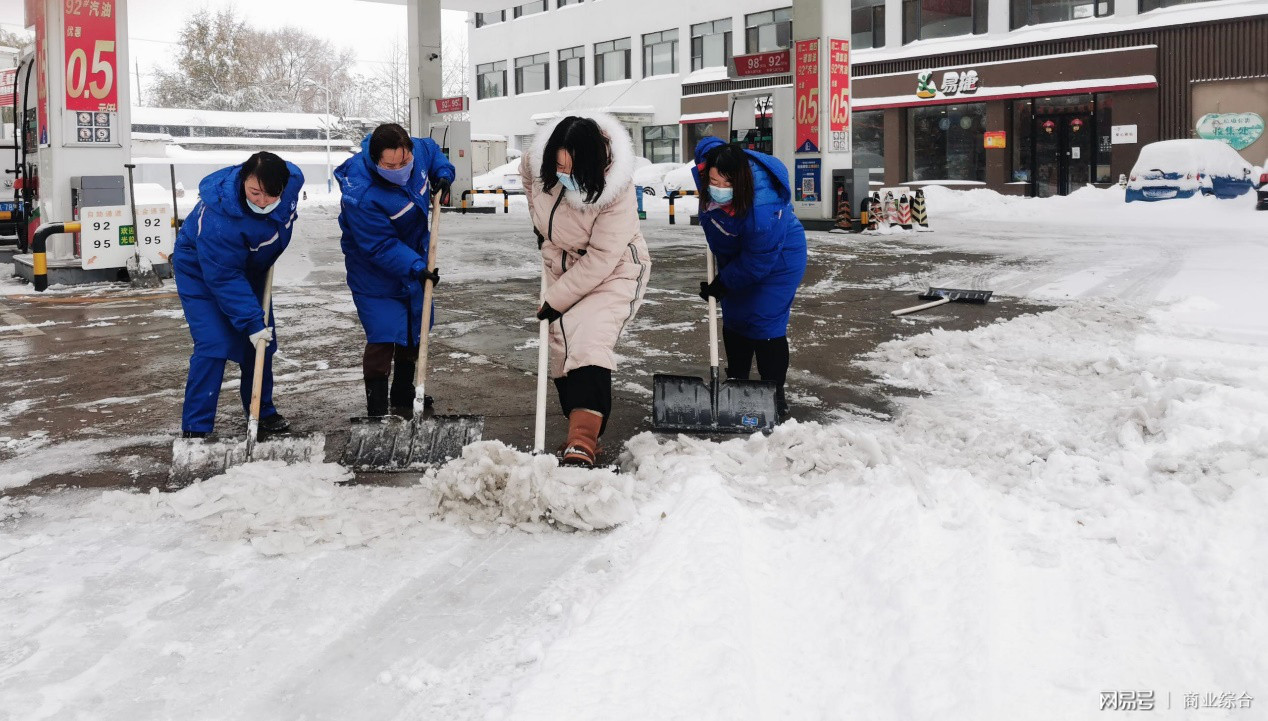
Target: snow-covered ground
1071,504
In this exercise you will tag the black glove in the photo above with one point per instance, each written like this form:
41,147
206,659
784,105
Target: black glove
715,289
547,313
441,188
432,275
541,239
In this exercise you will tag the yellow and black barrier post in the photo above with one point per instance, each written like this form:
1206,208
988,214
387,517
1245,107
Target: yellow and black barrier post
677,194
506,199
39,250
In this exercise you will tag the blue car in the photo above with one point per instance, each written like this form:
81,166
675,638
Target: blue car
1183,168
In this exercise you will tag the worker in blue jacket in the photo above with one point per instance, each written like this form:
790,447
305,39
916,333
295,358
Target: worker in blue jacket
384,215
224,249
747,215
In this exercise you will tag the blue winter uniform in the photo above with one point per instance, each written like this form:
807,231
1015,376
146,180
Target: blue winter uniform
223,253
762,255
385,240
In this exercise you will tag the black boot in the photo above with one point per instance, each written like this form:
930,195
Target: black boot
402,395
194,434
376,397
407,409
781,404
275,423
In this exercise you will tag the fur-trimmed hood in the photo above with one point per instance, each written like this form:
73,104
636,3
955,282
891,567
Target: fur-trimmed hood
618,179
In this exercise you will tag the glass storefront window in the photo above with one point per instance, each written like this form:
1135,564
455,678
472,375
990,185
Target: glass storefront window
1022,137
946,142
1037,12
867,131
868,23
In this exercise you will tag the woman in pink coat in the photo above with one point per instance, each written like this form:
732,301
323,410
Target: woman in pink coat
578,177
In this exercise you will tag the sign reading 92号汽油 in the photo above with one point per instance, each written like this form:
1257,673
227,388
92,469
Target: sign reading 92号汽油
91,62
806,86
1239,130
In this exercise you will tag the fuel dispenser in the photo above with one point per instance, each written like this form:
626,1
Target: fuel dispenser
762,120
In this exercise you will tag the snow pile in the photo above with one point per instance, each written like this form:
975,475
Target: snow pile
279,508
494,483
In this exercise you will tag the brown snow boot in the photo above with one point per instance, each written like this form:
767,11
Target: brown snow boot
583,438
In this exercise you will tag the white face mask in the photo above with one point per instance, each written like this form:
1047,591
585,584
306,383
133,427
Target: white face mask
266,209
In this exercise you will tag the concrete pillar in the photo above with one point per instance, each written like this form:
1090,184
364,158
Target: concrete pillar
999,164
823,20
425,62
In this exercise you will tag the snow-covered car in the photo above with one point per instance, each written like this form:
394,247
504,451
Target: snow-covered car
506,177
680,179
1183,168
1263,188
652,177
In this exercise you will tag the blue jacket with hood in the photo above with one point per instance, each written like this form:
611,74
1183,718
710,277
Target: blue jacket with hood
761,255
222,256
385,239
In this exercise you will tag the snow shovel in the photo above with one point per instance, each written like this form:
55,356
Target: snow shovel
689,404
201,458
391,443
941,296
140,270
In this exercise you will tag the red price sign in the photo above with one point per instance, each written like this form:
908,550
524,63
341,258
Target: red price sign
776,62
450,105
807,87
91,63
839,88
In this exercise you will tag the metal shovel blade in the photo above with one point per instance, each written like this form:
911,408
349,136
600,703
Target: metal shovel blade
197,459
957,295
391,444
684,404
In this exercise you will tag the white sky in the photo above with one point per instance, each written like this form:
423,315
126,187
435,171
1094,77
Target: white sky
368,28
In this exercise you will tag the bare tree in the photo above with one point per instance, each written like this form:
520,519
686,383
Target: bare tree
389,86
455,68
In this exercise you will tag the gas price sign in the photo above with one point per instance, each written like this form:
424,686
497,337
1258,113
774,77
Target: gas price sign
91,62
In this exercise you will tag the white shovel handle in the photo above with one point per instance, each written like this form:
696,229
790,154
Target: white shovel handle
257,376
914,308
424,334
713,310
543,352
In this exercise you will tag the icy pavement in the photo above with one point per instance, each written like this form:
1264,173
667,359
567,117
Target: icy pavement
1067,504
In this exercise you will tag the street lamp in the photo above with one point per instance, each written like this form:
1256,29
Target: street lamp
321,87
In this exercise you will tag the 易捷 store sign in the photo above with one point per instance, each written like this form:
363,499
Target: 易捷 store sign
951,84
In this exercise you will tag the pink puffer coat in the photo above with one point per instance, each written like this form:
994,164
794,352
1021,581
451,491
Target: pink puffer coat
595,258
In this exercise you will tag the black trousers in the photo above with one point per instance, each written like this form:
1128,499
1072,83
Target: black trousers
771,354
377,364
588,387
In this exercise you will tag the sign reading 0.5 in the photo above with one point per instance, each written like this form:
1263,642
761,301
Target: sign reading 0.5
91,62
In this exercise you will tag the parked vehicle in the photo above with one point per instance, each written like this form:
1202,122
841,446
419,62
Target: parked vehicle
505,176
652,177
680,179
1183,168
1263,188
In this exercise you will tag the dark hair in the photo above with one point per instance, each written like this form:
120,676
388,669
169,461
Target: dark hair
269,170
732,162
389,136
590,151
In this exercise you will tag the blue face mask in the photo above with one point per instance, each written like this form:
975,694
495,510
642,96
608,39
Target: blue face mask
721,195
398,176
565,179
266,209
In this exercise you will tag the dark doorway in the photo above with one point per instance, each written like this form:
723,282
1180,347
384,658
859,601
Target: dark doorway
1064,137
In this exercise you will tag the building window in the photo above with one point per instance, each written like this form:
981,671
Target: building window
711,44
869,24
660,143
491,80
532,73
1037,12
1147,5
945,142
699,131
497,16
537,6
930,19
660,53
612,61
572,67
867,130
564,3
770,30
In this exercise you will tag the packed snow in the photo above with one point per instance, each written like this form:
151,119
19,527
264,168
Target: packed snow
1067,504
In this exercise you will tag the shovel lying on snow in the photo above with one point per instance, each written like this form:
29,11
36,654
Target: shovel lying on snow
201,458
689,404
941,296
140,271
390,443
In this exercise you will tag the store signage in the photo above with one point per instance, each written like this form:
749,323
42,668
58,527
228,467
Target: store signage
775,62
806,83
1239,130
1123,135
450,105
839,90
91,62
995,139
954,83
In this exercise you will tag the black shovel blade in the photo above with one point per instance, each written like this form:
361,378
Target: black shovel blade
681,403
958,295
746,407
389,443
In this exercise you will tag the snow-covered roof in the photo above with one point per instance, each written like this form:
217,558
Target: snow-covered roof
489,137
229,119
